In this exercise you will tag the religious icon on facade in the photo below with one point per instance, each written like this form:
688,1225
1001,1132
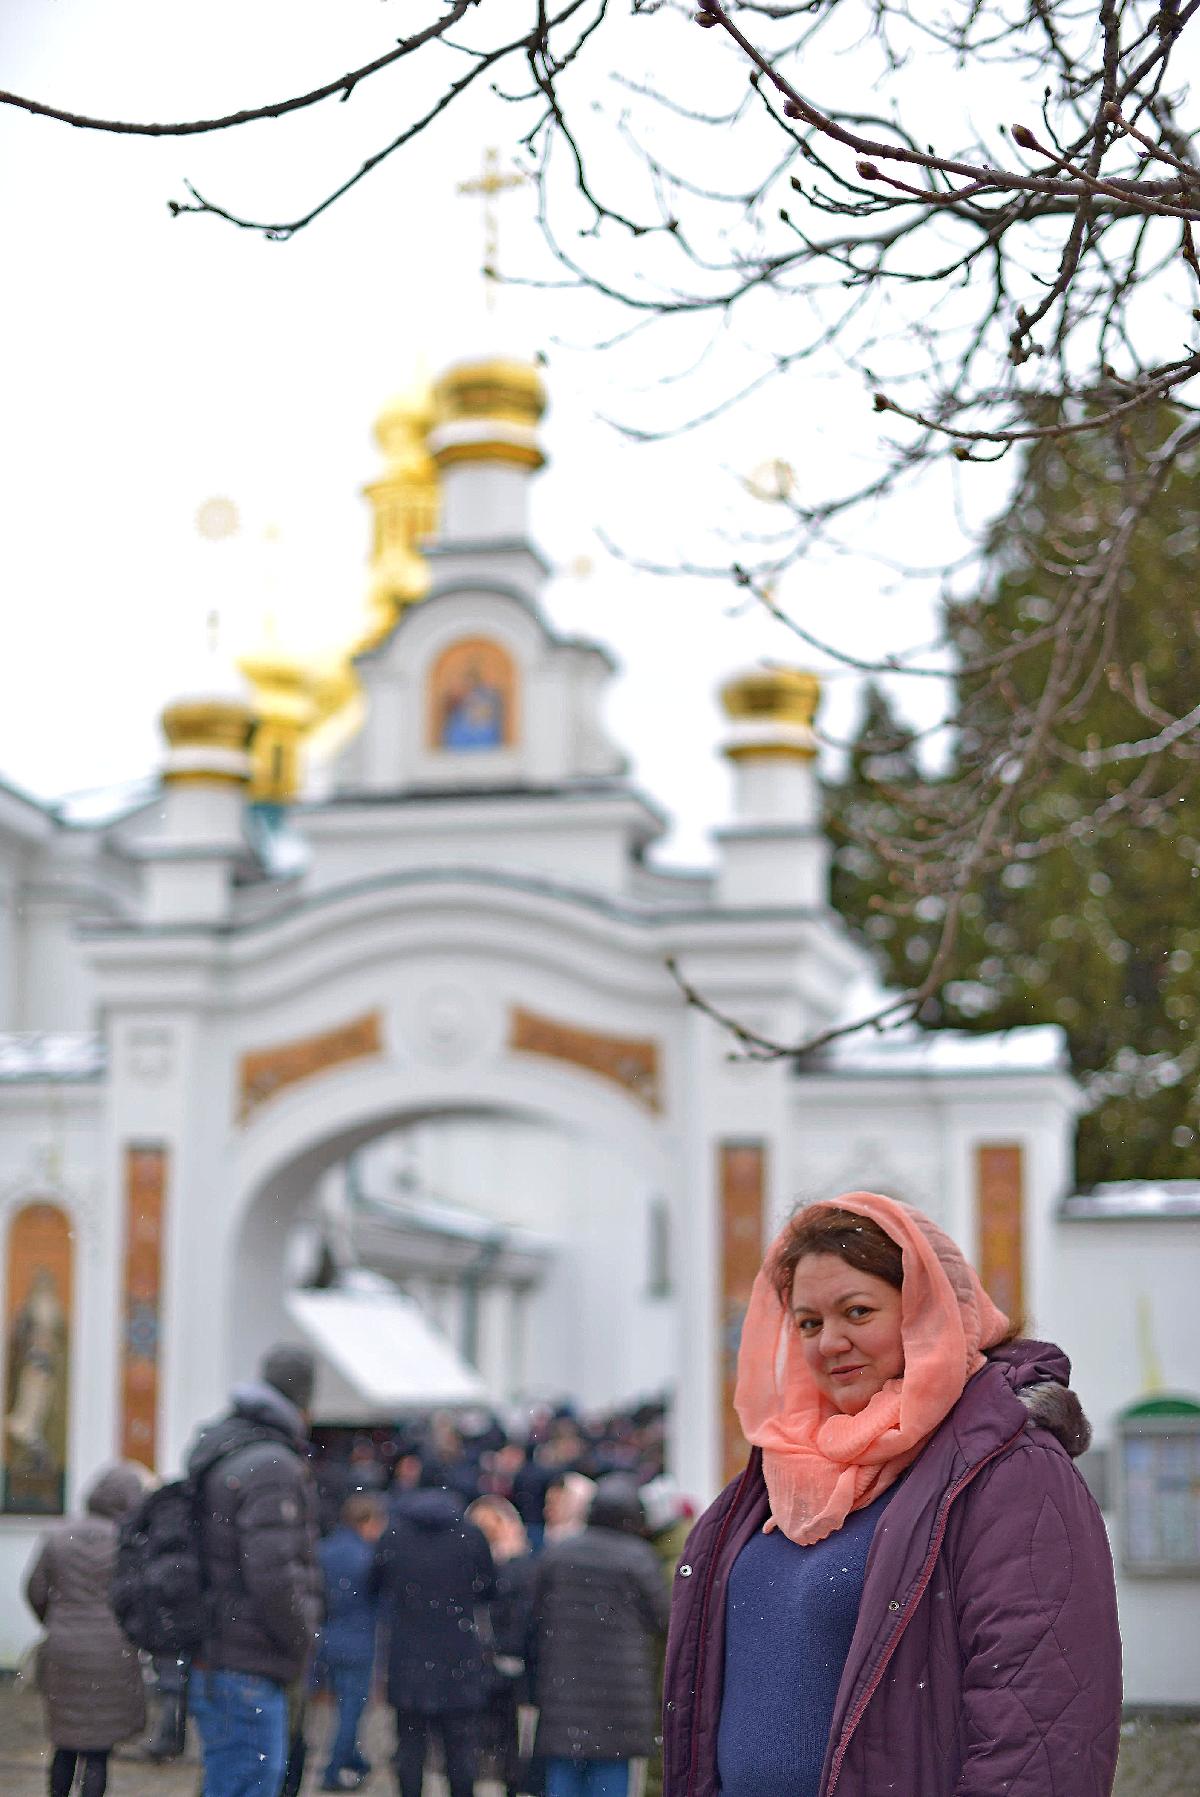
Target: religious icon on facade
472,694
37,1378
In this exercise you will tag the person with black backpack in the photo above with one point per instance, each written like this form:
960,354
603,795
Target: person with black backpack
256,1507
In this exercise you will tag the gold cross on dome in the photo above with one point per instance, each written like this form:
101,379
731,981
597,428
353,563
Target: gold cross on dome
488,186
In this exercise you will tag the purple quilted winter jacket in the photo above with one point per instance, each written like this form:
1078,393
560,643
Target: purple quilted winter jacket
986,1661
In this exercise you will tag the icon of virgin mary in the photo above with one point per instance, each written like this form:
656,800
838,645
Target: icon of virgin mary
473,715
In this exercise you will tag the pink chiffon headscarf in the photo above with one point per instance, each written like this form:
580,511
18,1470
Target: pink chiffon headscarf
819,1464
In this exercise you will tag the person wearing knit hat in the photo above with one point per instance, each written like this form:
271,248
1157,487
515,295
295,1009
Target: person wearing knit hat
910,1587
258,1541
292,1371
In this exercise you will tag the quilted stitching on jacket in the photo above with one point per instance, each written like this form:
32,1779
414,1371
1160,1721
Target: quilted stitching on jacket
1027,1637
1005,1679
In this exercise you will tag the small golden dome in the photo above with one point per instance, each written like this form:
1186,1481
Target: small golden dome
500,387
772,710
226,724
781,695
208,741
488,411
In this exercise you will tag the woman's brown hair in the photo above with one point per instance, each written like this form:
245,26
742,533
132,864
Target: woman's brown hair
859,1241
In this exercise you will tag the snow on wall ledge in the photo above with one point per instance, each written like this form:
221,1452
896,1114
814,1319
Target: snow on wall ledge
51,1055
1038,1048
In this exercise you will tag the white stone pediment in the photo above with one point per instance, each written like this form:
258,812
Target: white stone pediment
474,689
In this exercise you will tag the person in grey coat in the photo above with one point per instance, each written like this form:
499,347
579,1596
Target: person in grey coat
88,1672
599,1604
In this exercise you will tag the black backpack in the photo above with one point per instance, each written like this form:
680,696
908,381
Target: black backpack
158,1592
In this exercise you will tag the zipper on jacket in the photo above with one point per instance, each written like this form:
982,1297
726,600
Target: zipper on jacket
709,1580
935,1547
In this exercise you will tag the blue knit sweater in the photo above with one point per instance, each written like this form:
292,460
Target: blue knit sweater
789,1619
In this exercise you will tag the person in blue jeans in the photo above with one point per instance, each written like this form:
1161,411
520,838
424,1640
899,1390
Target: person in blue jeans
257,1513
587,1778
346,1644
242,1719
599,1605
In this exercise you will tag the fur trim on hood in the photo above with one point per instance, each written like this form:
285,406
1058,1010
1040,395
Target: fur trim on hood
1040,1375
1056,1408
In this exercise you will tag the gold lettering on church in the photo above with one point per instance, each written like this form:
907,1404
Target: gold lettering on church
265,1072
628,1061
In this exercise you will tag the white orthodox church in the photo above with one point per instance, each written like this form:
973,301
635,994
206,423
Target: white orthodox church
409,1013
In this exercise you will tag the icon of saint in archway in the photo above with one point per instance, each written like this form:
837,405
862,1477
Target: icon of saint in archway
473,717
472,697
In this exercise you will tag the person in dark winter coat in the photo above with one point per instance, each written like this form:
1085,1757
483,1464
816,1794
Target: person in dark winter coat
530,1484
88,1672
258,1540
433,1573
346,1645
910,1588
598,1606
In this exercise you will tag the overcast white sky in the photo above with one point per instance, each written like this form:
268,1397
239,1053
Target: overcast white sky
152,363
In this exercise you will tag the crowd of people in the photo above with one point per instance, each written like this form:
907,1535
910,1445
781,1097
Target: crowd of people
909,1587
473,1576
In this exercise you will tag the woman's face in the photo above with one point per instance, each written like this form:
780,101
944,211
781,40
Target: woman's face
849,1326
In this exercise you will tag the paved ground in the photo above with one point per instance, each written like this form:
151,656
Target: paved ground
1158,1759
24,1757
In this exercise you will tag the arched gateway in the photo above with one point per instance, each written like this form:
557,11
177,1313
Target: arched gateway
462,941
441,980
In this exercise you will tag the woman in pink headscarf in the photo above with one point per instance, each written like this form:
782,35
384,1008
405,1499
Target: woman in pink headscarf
909,1590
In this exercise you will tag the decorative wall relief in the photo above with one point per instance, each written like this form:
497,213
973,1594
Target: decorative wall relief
150,1053
39,1294
1000,1198
265,1072
741,1196
141,1318
447,1024
472,697
627,1061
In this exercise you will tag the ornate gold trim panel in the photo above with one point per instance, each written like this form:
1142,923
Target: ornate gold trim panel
633,1063
266,1072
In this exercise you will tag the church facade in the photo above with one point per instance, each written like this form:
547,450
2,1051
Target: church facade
424,1016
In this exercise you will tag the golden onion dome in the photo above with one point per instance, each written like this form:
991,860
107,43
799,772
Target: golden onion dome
286,715
772,711
404,504
208,723
280,687
404,422
488,411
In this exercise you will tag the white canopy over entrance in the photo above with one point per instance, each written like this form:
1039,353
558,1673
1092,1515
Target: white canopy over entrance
378,1356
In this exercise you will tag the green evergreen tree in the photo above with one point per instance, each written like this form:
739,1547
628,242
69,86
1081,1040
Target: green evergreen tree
882,767
1102,933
